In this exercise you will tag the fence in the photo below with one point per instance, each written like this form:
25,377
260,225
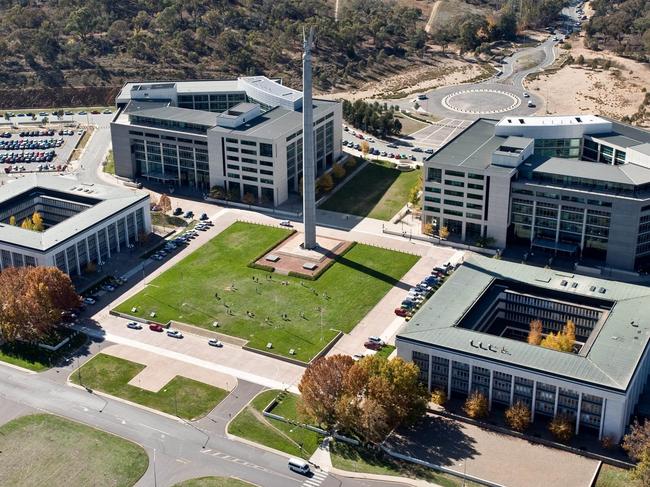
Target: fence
441,242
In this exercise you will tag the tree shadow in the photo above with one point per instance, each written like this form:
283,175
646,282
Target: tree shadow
434,439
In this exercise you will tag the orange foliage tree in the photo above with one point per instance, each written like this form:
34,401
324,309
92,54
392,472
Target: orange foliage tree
535,333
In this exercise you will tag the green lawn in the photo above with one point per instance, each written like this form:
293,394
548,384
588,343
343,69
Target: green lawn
376,192
181,396
46,450
251,425
610,476
345,292
213,482
386,351
109,163
354,459
32,357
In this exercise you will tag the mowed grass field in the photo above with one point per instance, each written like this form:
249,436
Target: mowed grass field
345,292
42,449
376,192
182,397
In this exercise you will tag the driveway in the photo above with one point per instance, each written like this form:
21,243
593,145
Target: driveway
493,456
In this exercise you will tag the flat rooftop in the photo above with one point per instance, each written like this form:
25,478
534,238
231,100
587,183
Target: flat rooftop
102,202
615,348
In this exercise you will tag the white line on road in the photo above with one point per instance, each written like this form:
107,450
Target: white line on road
155,429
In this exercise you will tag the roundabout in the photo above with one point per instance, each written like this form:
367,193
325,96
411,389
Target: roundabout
481,101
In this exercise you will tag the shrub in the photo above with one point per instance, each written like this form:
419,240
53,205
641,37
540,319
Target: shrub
476,405
439,397
607,442
444,233
338,171
427,229
561,427
518,416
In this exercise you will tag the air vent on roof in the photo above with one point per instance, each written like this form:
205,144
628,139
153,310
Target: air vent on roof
578,120
522,121
602,290
592,289
574,285
509,121
564,283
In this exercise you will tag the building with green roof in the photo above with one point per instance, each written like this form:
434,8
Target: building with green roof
472,336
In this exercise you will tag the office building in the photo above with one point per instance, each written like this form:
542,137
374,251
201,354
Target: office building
471,335
243,135
83,223
576,186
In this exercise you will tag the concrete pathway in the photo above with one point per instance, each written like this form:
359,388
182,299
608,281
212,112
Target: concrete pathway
160,370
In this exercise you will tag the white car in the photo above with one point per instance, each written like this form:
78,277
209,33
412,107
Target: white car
376,339
89,301
213,342
526,95
174,334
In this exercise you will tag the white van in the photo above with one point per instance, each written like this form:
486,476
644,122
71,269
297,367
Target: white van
298,465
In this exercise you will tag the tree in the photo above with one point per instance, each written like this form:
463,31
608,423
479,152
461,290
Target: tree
518,416
322,386
637,440
90,267
563,340
338,171
12,221
33,299
365,148
439,396
427,229
248,198
561,427
325,183
476,405
444,233
165,203
217,192
37,222
535,332
27,224
641,471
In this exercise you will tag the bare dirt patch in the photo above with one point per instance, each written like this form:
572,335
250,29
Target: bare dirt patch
615,92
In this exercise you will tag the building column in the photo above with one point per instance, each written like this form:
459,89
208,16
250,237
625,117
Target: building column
584,231
602,418
512,389
108,242
117,236
557,226
430,372
178,163
126,231
99,251
557,397
532,223
76,250
532,403
67,264
135,226
578,413
87,250
469,380
490,393
449,378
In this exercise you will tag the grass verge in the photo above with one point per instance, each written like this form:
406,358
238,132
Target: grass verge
214,283
375,192
386,351
610,476
43,449
109,163
213,482
355,459
33,358
182,397
252,425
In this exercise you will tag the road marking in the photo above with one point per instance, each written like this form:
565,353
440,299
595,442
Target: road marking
155,429
183,460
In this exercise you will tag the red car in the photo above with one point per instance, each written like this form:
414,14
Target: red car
372,345
401,312
155,327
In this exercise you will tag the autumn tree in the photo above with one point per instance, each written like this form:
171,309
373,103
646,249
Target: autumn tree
37,222
27,224
563,340
33,299
248,198
217,192
325,183
12,221
322,386
561,427
165,203
444,232
518,416
338,171
439,396
427,229
365,148
637,440
476,405
535,332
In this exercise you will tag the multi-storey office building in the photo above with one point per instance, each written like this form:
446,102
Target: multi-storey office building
472,336
574,185
244,135
83,222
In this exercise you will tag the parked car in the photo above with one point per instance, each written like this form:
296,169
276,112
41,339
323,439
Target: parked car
213,342
526,95
203,217
372,345
401,312
376,339
89,301
156,327
134,325
286,223
188,214
174,334
178,211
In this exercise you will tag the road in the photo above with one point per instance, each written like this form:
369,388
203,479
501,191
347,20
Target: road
182,450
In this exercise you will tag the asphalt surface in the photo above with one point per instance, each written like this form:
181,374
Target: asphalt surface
181,449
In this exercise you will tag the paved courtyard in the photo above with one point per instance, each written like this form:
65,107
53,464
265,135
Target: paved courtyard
438,134
493,456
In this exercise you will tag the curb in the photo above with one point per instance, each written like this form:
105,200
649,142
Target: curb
18,367
383,478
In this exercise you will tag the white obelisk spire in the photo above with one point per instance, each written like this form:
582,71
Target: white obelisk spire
308,164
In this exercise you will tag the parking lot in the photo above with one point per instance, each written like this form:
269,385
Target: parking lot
37,150
441,132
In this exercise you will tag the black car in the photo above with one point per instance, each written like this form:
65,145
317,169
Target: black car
203,217
189,214
178,211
